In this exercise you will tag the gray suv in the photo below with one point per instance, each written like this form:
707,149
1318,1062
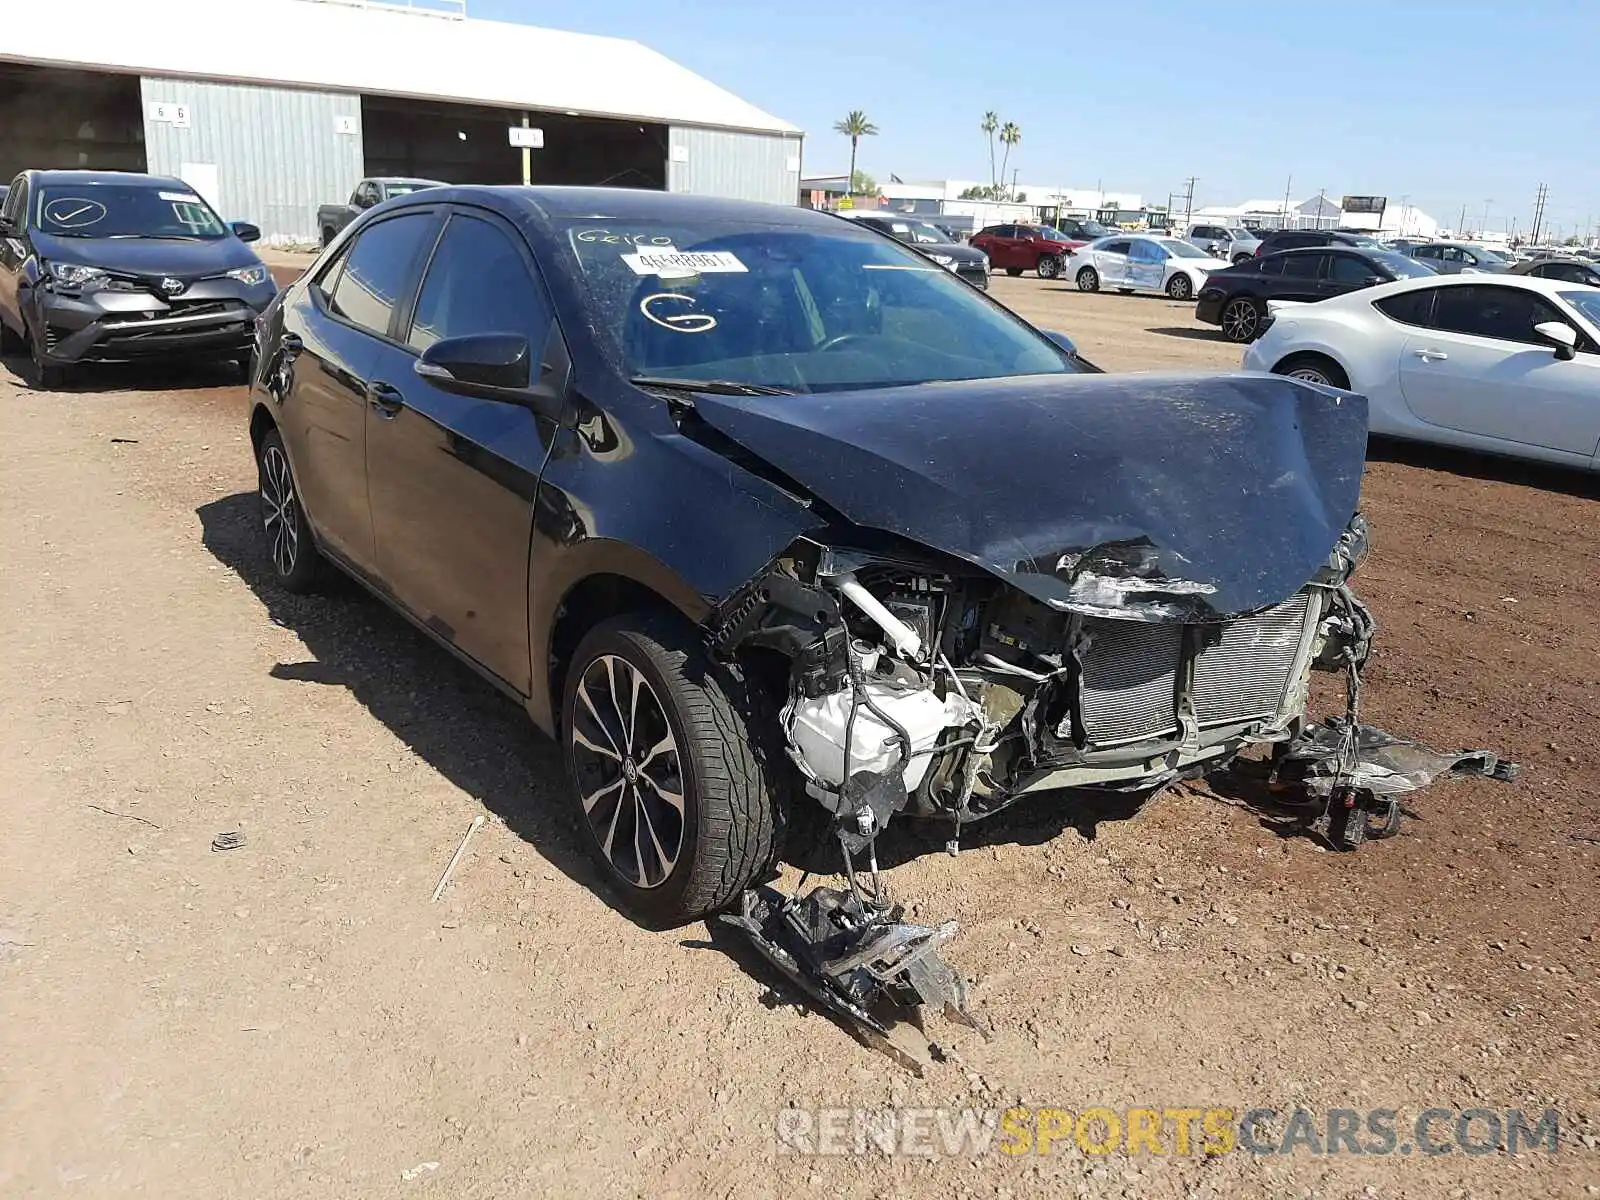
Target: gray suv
1456,258
1237,244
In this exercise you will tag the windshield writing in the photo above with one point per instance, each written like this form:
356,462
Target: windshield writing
117,210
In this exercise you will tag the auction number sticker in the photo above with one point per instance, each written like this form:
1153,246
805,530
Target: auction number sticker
180,197
683,262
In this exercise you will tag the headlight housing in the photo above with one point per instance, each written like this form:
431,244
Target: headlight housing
944,260
74,275
249,276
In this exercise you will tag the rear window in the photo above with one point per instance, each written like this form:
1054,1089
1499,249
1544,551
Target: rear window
1409,308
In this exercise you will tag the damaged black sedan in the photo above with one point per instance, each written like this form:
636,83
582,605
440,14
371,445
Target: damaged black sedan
777,526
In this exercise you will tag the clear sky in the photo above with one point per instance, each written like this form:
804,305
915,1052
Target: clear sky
1450,104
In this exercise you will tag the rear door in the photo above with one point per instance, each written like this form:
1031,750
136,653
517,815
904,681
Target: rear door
337,327
1111,261
1302,276
452,478
1481,369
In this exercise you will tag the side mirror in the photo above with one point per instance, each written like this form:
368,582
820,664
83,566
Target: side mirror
1561,335
494,366
245,231
1061,340
1373,281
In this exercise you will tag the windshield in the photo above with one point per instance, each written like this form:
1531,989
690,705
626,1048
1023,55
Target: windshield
1181,249
1093,229
1401,266
1485,253
1365,243
796,309
920,233
1586,302
1051,234
405,187
1241,235
103,210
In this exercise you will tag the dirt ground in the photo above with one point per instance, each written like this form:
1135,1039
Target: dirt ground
295,1018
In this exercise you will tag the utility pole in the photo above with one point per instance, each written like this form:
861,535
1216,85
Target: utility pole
1321,193
1188,200
1461,225
527,158
1538,213
1287,188
1484,232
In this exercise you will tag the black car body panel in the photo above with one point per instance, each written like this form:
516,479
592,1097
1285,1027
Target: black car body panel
967,262
158,296
1086,492
1305,275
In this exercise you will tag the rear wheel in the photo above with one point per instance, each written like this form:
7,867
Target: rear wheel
1088,280
1013,271
1314,368
1049,267
677,806
1241,319
1241,258
1179,287
296,565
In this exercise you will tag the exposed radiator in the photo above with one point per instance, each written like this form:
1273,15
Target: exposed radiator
1131,669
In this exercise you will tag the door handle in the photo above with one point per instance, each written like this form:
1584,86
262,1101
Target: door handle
385,399
1431,355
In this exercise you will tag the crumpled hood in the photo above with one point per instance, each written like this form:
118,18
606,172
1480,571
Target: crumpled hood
148,256
1148,497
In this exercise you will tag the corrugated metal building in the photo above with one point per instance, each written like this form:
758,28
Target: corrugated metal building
270,108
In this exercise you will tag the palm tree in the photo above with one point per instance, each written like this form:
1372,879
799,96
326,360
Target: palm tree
855,126
1010,135
991,122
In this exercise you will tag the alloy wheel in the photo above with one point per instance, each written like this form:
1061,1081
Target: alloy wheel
1049,267
1179,288
629,771
1310,375
280,512
1239,320
1088,280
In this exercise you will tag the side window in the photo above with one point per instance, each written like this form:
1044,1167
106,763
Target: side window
366,195
377,271
1409,308
1116,247
1425,252
1302,266
1272,264
478,282
1506,314
1005,231
988,231
1146,252
1347,268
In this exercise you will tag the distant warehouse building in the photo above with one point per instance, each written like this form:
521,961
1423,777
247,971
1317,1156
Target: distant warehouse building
270,108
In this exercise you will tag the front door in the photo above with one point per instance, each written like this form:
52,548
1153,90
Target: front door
1147,265
334,336
1483,370
452,478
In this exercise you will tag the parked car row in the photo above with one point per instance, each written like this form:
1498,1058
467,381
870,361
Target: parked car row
1236,299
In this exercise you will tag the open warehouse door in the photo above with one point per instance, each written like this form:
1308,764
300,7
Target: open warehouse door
463,143
62,119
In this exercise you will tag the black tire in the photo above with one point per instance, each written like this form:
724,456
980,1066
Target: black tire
1314,368
727,825
1241,258
44,376
1180,287
240,367
1241,319
11,342
1013,271
291,547
1049,266
1088,280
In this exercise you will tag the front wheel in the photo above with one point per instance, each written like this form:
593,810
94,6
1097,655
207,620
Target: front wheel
1241,258
44,376
676,803
1241,319
1049,267
1180,287
1014,272
1088,280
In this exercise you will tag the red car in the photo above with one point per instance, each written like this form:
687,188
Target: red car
1018,248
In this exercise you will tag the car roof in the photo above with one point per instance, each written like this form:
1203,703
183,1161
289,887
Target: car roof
97,178
621,204
407,179
1532,283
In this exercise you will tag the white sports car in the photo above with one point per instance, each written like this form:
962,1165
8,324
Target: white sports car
1508,364
1142,264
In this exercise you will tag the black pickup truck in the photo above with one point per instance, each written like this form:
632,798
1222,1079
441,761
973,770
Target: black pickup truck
331,218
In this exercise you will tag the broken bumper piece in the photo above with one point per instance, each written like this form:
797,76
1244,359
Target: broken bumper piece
1355,775
857,958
